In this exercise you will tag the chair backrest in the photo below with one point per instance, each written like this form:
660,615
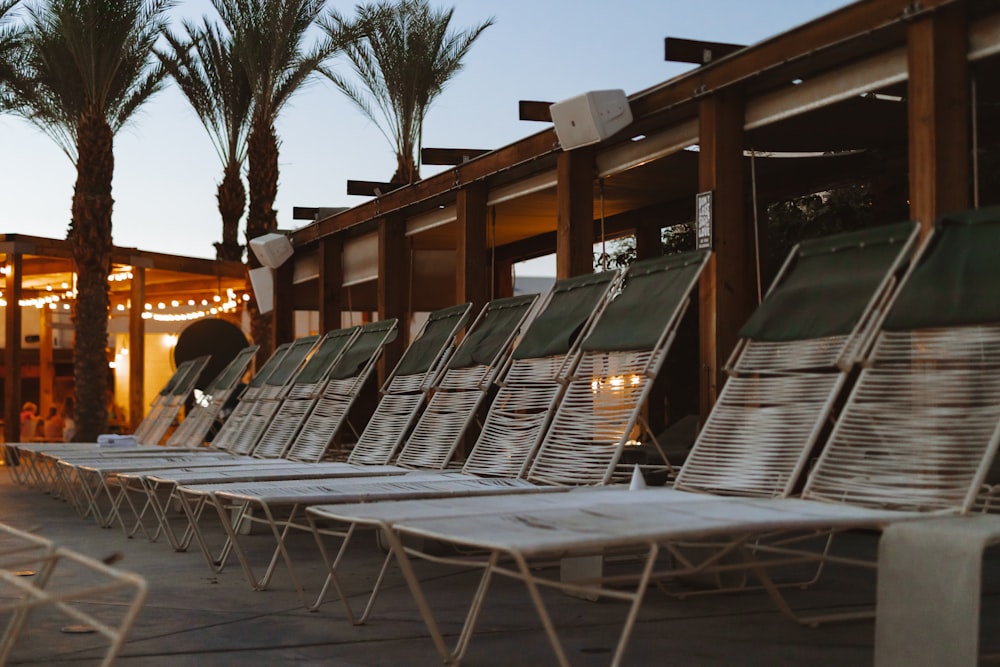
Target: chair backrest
477,362
793,362
317,426
226,436
280,418
621,356
271,392
405,390
199,421
533,384
921,426
170,401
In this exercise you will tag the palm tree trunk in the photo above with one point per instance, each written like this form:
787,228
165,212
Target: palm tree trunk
90,242
262,176
232,198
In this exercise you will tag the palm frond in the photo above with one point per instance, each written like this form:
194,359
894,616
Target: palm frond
402,54
269,39
86,57
203,65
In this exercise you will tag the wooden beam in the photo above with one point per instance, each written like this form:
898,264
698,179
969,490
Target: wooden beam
136,349
472,268
305,212
532,110
698,52
575,205
393,280
331,282
371,188
12,348
450,156
800,44
727,291
938,98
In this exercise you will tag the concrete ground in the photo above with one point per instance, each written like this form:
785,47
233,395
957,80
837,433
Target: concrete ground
194,616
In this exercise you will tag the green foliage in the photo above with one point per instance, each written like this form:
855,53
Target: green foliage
86,57
621,251
403,56
215,83
11,36
814,215
269,40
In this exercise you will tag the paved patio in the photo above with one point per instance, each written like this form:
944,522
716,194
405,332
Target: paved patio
195,617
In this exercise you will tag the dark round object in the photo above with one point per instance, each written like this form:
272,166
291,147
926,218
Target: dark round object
219,339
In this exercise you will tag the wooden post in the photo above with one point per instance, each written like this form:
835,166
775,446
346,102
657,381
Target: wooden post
727,290
648,243
393,279
938,106
331,283
283,317
136,348
472,267
575,224
12,348
46,365
503,279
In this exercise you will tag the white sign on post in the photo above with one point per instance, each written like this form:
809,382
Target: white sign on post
703,219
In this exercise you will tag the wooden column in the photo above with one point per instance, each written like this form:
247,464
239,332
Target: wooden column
503,279
46,365
12,348
938,99
283,317
393,284
331,283
575,224
472,266
727,290
136,348
648,243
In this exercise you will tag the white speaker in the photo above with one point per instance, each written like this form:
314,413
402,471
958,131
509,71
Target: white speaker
589,118
272,249
262,281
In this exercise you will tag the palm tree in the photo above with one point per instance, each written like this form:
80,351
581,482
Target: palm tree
10,41
216,86
86,67
269,41
403,59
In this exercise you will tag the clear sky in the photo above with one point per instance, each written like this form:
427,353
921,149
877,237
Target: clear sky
166,170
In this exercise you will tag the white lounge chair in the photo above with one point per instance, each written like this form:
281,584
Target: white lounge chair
915,438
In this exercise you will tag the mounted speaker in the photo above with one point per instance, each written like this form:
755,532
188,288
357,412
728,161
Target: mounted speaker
262,281
591,117
272,249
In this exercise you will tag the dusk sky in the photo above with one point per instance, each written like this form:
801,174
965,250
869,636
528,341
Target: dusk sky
166,170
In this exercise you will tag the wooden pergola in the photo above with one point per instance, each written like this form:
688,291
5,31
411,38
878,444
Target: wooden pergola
903,94
38,273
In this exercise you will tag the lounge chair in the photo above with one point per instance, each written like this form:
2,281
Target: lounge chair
240,432
166,407
462,389
29,463
605,350
915,438
67,582
205,413
83,476
344,359
786,340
